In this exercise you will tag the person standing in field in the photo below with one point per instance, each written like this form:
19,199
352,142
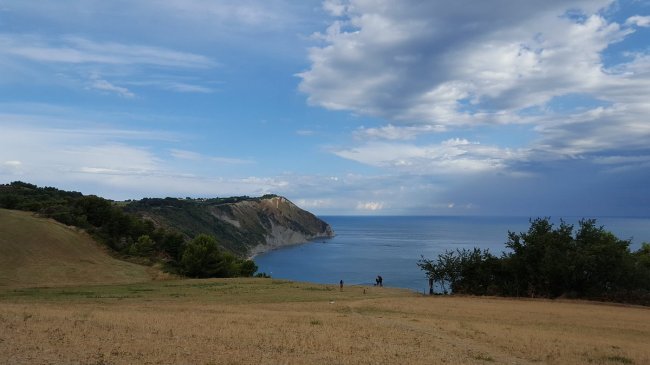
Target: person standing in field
341,285
381,280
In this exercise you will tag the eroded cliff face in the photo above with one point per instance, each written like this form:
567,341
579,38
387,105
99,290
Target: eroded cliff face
246,226
282,222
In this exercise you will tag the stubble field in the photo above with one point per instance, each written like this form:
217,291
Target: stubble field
265,321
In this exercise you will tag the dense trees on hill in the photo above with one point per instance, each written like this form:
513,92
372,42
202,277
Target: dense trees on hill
125,233
550,261
202,258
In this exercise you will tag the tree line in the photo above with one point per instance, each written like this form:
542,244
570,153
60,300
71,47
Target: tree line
126,234
549,261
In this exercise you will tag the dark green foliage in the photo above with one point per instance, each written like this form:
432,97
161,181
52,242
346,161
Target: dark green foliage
202,258
144,247
122,231
549,261
247,268
172,243
239,223
196,216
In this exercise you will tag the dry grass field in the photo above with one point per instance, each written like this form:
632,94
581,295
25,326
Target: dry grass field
40,252
53,310
266,321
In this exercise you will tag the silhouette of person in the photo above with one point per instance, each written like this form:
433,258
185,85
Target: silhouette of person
341,285
381,280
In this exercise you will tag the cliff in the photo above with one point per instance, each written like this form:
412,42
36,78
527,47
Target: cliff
243,225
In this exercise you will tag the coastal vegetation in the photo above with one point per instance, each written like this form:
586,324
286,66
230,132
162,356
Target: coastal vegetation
549,261
242,225
127,235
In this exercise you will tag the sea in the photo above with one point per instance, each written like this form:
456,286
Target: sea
367,246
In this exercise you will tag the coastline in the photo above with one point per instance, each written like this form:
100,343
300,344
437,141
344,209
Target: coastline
263,248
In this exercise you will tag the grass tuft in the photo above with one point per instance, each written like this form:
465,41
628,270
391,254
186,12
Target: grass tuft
619,359
484,357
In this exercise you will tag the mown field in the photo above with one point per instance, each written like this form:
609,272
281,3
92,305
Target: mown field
267,321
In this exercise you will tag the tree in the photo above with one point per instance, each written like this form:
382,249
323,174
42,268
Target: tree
603,261
550,261
201,257
144,246
247,268
541,258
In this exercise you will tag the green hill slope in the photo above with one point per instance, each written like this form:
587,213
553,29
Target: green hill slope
41,252
243,225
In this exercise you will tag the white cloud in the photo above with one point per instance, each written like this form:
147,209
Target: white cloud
78,50
185,155
639,21
435,66
75,62
103,85
172,85
243,13
11,167
96,162
453,64
620,128
615,160
392,132
179,22
453,156
314,203
195,156
335,7
188,88
370,206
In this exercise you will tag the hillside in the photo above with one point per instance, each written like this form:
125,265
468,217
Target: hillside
244,225
158,231
41,252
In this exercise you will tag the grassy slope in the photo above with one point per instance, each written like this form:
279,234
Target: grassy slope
266,321
41,252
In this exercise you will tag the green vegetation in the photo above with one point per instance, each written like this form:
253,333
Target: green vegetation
550,262
240,223
191,217
41,252
212,290
128,235
203,259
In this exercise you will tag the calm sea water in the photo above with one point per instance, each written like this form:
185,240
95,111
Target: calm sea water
365,247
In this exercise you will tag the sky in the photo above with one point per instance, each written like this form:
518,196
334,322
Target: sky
500,107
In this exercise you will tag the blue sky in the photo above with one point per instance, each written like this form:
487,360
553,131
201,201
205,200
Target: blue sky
345,107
